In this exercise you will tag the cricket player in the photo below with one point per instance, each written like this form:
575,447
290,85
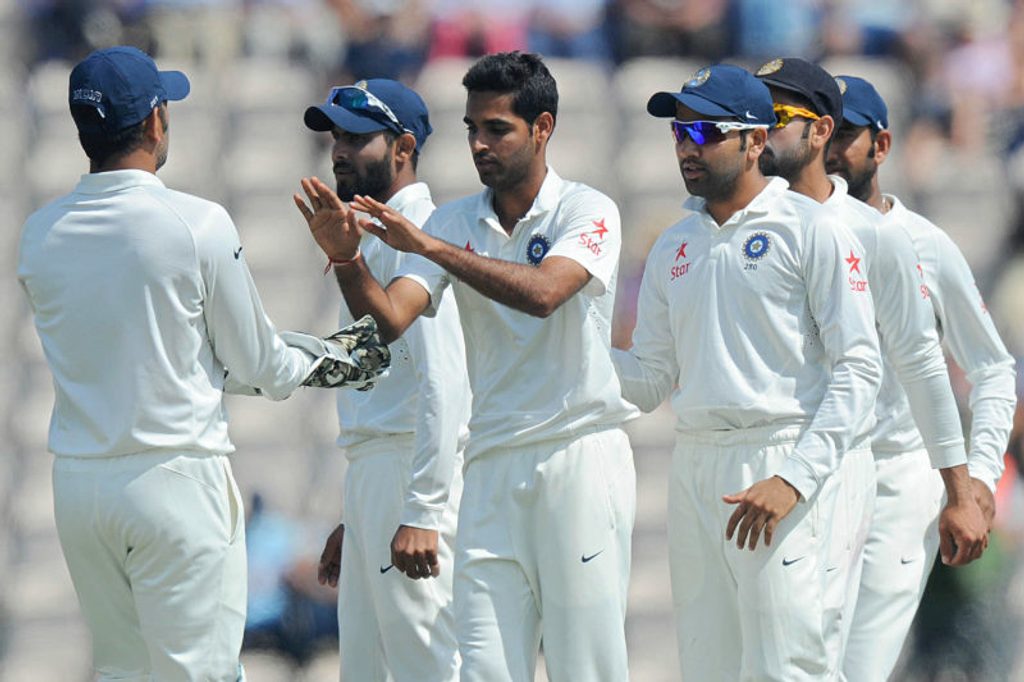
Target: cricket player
808,103
404,439
746,316
903,539
547,510
141,298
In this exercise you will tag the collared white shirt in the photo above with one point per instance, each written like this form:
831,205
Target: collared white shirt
425,392
535,379
763,321
967,328
142,297
911,354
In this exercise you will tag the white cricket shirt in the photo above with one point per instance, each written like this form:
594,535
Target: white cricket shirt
535,379
426,391
967,328
763,321
141,298
911,354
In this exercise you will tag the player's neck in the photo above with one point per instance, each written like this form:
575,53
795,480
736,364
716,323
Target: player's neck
748,186
813,182
512,203
139,159
402,180
875,198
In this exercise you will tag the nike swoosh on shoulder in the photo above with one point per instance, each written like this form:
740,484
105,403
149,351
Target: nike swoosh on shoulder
584,558
385,569
789,562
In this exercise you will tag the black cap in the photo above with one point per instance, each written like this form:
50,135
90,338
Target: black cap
809,80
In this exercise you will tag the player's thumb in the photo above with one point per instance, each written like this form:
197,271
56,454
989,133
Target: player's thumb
735,498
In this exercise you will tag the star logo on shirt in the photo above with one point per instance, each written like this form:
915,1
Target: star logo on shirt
853,262
601,230
681,253
469,247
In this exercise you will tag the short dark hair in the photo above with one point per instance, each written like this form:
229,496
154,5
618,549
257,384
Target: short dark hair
102,147
521,73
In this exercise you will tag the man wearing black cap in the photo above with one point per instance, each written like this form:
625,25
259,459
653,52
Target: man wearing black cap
902,542
142,298
546,516
772,364
809,103
404,439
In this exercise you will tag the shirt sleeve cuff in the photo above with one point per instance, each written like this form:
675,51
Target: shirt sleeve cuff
800,476
416,516
945,456
983,474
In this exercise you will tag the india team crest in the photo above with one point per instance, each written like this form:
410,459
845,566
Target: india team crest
769,68
842,86
756,246
537,249
699,78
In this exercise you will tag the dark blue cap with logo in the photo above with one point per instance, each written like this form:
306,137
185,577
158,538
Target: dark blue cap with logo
862,105
123,85
372,105
719,90
808,80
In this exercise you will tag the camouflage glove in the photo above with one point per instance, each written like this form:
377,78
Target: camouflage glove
354,357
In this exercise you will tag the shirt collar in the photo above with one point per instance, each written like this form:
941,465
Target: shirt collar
409,195
545,201
840,190
114,181
761,204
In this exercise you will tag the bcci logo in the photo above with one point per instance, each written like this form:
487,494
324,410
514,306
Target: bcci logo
756,246
537,249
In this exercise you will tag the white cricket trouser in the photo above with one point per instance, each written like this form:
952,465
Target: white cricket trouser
543,553
392,627
898,558
855,505
740,614
155,544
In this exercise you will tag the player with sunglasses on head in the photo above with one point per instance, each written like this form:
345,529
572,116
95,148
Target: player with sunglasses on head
812,103
543,548
771,359
902,542
404,439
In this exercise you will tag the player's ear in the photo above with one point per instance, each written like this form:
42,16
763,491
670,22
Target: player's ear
405,147
154,126
883,145
822,130
543,126
757,140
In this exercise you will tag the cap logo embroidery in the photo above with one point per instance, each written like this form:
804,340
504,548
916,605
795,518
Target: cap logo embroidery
362,85
87,95
842,86
699,78
769,67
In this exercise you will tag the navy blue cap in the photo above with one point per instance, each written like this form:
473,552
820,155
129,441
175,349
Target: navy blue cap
808,80
862,105
372,105
123,85
719,90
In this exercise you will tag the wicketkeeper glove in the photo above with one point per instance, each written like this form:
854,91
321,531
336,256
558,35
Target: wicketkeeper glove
353,357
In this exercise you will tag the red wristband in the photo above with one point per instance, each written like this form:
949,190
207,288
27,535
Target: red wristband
331,262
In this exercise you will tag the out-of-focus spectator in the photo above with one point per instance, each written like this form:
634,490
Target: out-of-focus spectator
571,28
71,29
672,28
464,29
204,31
769,28
384,38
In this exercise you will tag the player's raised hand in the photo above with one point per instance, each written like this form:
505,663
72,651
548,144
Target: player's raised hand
398,232
329,569
963,531
332,223
414,552
986,501
760,508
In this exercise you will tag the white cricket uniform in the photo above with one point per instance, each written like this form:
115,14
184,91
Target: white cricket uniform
903,541
141,298
404,444
770,354
543,548
911,358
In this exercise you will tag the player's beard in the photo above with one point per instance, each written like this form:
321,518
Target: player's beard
859,181
503,174
164,147
789,163
373,181
716,184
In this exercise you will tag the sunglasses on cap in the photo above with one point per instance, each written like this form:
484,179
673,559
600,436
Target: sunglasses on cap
363,101
786,113
707,132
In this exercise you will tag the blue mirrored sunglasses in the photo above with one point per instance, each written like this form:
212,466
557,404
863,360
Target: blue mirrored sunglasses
707,132
362,101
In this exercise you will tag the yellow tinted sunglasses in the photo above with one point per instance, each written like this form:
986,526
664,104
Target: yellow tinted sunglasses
786,113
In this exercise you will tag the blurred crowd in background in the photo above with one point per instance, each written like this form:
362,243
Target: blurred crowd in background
951,70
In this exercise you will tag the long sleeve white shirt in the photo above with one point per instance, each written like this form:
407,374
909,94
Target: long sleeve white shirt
426,391
968,330
141,298
535,379
757,322
911,354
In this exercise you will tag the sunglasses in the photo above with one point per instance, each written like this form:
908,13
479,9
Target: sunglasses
707,132
362,101
786,113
